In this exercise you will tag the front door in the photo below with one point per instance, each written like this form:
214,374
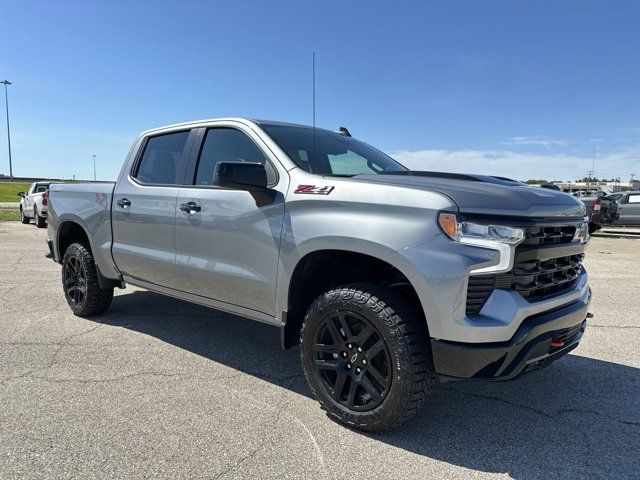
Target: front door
144,210
227,246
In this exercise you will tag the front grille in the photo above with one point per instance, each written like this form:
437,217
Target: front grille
542,267
544,235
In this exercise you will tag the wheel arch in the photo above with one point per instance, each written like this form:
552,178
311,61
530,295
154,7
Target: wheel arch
69,232
321,270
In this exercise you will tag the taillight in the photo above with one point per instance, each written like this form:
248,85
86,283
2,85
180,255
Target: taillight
44,197
597,205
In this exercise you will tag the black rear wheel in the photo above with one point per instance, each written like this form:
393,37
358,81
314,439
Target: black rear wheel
23,217
366,355
41,222
80,282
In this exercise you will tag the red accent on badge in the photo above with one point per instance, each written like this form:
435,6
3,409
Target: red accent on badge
313,189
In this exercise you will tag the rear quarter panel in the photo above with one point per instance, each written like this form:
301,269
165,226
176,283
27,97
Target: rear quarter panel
88,205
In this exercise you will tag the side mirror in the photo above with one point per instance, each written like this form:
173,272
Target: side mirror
241,176
21,194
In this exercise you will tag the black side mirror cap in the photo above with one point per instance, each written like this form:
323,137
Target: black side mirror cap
241,176
21,194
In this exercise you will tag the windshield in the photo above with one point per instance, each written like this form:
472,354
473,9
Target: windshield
330,153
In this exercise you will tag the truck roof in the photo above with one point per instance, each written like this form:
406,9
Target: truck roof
234,119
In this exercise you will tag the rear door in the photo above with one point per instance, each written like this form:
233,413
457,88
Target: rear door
629,209
228,249
144,209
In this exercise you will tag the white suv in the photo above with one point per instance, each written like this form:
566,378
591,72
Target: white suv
33,204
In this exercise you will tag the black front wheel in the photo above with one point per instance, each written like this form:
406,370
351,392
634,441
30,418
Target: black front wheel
366,356
80,282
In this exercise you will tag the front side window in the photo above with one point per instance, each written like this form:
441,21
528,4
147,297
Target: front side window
634,198
163,159
225,145
328,153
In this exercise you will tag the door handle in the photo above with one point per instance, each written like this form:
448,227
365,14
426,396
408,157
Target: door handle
124,203
190,207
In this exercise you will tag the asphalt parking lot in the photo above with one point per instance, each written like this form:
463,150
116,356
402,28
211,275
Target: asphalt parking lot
160,388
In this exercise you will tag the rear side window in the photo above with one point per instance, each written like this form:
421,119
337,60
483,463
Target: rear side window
227,145
41,188
163,159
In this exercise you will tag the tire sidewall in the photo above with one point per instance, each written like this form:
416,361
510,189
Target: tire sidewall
388,330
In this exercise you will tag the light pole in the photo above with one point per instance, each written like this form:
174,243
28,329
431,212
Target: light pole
6,101
94,168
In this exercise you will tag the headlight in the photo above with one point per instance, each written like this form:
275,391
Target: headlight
502,238
468,232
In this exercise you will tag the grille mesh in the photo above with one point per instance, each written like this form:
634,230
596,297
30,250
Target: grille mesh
533,278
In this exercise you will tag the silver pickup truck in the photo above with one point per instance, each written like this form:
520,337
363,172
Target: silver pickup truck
387,278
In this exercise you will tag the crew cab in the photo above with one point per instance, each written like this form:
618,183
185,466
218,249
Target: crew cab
388,279
33,204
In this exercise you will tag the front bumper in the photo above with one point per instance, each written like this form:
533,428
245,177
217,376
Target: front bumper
539,340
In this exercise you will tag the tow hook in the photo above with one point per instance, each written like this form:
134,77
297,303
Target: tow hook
556,342
589,315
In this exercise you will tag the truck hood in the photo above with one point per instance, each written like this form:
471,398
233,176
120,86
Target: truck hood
481,194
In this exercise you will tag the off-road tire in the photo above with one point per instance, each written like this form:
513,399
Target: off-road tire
401,324
41,222
96,300
23,218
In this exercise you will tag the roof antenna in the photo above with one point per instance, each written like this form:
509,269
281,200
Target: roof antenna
313,82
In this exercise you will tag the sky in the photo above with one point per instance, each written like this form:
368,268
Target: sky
512,88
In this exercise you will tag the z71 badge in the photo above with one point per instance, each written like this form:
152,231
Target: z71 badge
313,189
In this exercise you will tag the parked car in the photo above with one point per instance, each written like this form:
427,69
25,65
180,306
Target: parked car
600,210
387,278
629,208
614,197
33,204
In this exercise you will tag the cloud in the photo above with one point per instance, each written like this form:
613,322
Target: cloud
522,165
538,141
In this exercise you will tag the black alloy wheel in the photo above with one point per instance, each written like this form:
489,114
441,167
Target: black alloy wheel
352,361
75,281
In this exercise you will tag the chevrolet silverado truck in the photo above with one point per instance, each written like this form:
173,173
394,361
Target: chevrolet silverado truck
388,279
33,204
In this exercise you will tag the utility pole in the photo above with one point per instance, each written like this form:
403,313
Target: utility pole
593,168
6,101
94,168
